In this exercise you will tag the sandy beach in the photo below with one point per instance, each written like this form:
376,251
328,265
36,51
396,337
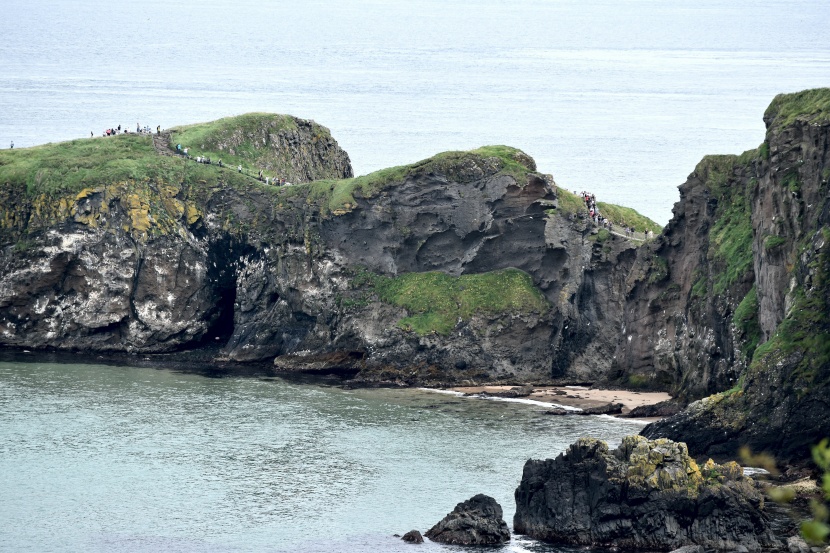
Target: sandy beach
578,396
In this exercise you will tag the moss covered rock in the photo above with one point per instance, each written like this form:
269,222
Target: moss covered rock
646,494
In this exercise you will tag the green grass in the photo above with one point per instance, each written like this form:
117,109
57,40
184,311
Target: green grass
808,105
806,329
602,235
628,217
436,301
241,140
730,238
658,270
570,203
69,167
700,286
746,321
338,195
621,216
773,241
791,181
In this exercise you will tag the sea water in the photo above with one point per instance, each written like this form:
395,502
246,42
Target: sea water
621,98
101,458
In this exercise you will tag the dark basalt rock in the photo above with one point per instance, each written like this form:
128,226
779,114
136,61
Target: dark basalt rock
608,409
666,408
643,495
477,521
413,536
515,392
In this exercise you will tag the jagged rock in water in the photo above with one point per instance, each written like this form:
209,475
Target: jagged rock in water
477,521
643,495
413,536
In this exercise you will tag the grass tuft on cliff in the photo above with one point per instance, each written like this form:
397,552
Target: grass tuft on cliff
808,105
338,195
437,301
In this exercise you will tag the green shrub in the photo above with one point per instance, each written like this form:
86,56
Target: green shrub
773,241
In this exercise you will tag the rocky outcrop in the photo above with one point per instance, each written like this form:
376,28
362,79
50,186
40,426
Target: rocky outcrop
413,536
477,521
780,402
458,268
644,495
297,150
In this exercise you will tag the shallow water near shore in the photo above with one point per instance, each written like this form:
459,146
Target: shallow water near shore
106,458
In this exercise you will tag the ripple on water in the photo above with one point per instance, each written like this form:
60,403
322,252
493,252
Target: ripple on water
101,458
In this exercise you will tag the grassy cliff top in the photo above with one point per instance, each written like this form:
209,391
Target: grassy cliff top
249,140
338,195
619,215
808,105
69,167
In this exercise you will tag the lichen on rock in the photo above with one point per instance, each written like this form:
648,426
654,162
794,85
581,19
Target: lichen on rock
643,495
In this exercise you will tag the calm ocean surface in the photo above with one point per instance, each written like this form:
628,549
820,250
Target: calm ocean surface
618,97
100,458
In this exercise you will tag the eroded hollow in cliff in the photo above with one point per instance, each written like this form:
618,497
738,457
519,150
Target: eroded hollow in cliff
223,264
222,328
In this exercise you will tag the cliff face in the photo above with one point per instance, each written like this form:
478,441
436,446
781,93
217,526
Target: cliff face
688,284
459,267
780,403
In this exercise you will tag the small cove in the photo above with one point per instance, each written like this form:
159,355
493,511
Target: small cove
103,458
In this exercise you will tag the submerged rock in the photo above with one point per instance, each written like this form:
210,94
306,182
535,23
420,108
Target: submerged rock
477,521
645,494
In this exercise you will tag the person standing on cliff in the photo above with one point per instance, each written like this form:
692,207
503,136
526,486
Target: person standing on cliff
158,129
12,146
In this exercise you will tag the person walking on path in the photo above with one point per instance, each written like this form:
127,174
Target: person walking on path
158,129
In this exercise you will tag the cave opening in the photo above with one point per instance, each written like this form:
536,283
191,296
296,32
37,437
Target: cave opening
222,327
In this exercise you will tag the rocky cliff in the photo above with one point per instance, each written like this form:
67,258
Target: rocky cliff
467,265
735,297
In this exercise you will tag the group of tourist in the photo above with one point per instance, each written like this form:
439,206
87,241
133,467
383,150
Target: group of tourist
117,130
598,219
275,181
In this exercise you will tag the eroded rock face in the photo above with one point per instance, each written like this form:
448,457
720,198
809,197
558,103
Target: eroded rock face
477,521
643,495
781,403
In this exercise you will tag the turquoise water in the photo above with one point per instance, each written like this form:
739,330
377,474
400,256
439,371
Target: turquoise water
620,97
104,458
